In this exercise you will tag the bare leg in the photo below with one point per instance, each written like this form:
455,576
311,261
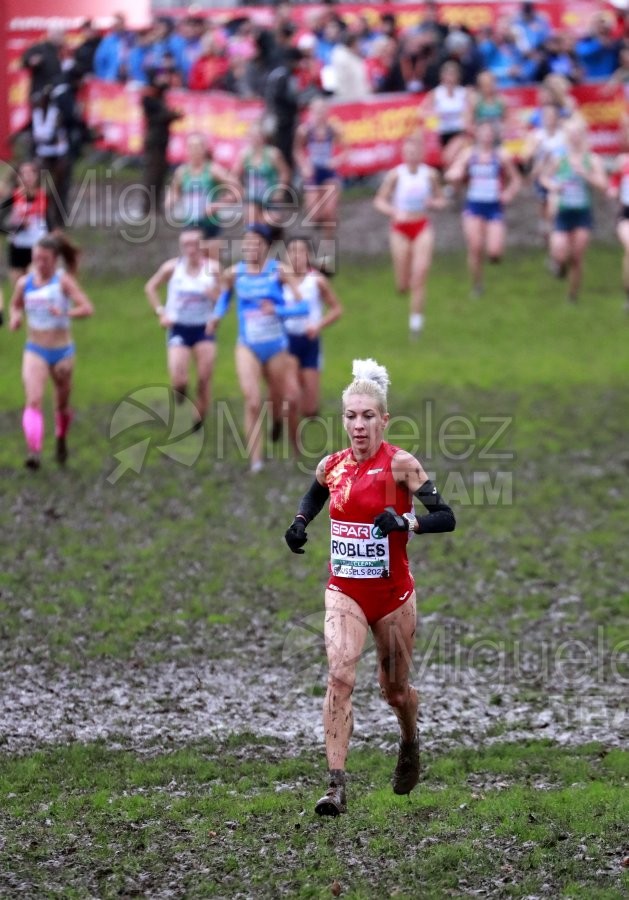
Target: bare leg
283,380
310,383
395,637
249,371
345,633
204,354
62,378
579,240
474,231
35,372
178,364
560,251
401,255
328,211
496,235
421,260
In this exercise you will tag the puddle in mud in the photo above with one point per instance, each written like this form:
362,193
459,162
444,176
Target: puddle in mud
166,705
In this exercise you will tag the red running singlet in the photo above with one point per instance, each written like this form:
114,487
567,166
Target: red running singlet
370,569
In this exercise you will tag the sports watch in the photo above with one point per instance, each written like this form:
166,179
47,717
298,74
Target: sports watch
411,520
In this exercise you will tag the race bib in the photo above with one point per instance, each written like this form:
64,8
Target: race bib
262,328
484,189
358,551
574,194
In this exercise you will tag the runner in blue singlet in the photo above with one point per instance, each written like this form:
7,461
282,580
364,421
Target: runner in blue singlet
262,346
50,297
492,182
319,153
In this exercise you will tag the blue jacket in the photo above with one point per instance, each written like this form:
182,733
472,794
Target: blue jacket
109,56
598,60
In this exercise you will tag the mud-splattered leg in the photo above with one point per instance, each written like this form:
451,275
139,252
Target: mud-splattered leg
345,633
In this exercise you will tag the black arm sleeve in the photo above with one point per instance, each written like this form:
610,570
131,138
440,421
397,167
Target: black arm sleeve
440,517
313,501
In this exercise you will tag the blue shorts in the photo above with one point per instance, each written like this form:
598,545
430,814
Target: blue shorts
571,219
267,350
51,355
491,212
307,350
186,335
322,175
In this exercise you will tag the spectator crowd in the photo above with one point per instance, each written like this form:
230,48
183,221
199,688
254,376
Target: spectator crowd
341,57
321,52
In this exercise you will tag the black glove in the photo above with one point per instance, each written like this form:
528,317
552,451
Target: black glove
1,317
296,535
389,521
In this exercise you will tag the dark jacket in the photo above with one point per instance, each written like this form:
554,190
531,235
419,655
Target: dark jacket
42,61
158,118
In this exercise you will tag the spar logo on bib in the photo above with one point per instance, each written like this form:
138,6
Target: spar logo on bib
358,550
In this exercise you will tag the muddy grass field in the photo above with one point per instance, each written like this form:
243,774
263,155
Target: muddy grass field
162,663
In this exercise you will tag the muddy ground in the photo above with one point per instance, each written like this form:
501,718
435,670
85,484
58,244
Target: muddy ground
166,704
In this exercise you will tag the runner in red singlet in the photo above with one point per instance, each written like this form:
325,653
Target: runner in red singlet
371,486
407,195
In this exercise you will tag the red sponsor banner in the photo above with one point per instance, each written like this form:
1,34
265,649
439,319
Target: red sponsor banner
372,130
116,112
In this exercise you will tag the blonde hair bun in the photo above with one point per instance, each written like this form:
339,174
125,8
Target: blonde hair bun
370,378
370,370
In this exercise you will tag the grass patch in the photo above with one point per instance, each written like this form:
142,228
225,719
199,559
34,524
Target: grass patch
212,820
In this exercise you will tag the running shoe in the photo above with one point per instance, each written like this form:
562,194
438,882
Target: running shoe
334,801
406,773
32,462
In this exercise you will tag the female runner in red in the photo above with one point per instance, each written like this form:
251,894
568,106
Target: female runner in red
371,486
